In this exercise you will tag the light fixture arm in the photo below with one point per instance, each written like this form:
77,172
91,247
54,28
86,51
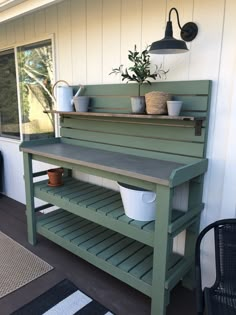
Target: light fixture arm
177,14
188,31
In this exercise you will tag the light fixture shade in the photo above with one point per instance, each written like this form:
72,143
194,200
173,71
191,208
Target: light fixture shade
171,45
168,45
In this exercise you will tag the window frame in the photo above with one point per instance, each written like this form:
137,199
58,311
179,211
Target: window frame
14,47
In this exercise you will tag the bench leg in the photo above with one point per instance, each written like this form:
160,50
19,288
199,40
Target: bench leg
30,213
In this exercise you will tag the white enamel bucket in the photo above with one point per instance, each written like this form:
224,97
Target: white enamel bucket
139,204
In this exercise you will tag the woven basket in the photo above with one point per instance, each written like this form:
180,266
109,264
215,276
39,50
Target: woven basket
156,102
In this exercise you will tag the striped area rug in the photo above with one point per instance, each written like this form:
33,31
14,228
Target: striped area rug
63,299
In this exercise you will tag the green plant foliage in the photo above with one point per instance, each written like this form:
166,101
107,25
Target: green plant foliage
140,71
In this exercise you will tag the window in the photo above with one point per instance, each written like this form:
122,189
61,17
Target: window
9,116
35,68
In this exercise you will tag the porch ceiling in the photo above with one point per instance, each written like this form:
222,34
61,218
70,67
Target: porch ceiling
10,9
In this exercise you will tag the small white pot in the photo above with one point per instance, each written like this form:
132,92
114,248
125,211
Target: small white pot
139,204
174,107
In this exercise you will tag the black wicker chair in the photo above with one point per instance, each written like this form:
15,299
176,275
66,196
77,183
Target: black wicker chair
221,297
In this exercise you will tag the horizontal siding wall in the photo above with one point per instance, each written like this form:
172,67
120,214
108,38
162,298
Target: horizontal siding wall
93,36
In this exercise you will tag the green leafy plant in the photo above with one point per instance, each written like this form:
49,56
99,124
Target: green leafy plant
140,71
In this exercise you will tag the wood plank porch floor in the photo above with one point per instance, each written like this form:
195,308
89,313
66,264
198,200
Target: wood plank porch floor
115,295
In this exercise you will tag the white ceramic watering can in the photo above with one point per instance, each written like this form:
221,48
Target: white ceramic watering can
64,96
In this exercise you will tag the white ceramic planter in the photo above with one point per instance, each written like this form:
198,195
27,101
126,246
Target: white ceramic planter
174,107
139,204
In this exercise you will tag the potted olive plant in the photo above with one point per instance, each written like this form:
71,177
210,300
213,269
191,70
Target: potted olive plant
140,73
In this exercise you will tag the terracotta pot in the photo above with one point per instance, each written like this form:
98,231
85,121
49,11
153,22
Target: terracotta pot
55,176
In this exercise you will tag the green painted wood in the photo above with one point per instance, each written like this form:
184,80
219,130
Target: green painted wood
167,146
177,272
108,242
162,249
132,151
195,191
115,97
90,234
116,213
180,223
45,218
150,170
123,104
100,200
125,253
111,89
109,220
58,220
127,128
93,241
109,175
198,87
131,117
72,192
83,230
208,115
188,172
195,197
193,104
72,228
95,226
142,268
136,258
85,195
28,176
173,260
115,248
92,258
67,223
149,226
27,144
111,205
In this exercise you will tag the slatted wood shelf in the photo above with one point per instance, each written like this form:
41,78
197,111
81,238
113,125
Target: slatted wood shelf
198,120
104,207
127,259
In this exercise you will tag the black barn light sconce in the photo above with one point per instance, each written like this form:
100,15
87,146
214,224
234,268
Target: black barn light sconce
171,45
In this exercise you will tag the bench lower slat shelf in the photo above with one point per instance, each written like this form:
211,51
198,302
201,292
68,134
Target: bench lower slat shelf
100,205
123,257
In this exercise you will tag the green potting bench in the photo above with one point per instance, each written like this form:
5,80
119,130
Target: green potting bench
158,153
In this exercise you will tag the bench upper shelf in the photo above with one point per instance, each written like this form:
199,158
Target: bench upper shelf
141,116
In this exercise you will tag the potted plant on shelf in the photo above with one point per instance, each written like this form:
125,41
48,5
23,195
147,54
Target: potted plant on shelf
140,73
55,176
